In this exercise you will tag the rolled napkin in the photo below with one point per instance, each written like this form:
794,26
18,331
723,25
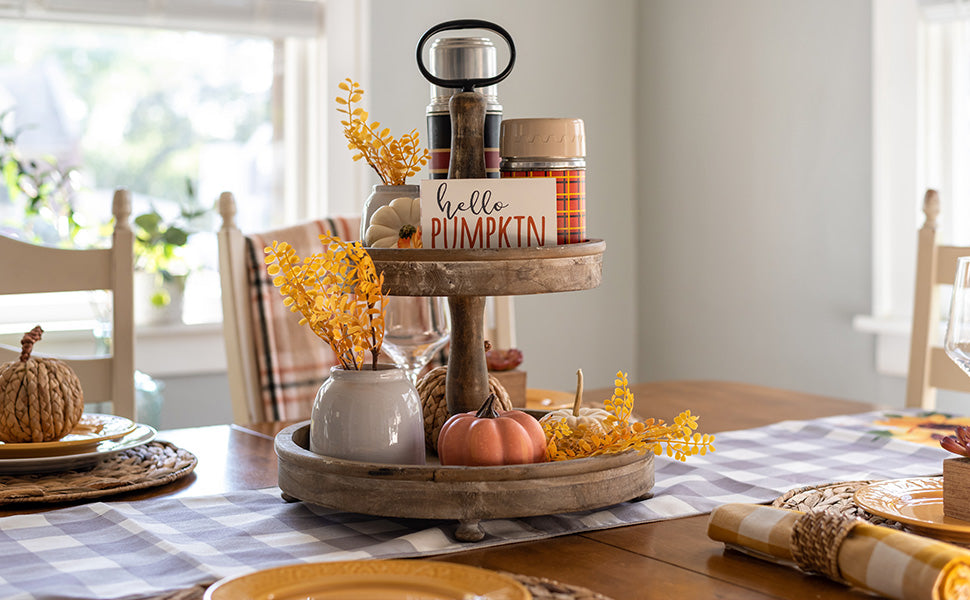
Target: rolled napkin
880,560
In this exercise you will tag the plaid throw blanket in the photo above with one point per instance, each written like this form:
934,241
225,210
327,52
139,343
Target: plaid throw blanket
293,362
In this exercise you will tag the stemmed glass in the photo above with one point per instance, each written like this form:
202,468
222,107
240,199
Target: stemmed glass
415,327
957,339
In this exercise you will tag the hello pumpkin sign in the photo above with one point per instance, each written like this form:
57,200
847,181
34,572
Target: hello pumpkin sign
488,213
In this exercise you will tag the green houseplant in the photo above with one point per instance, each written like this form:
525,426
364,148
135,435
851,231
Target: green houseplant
42,188
159,256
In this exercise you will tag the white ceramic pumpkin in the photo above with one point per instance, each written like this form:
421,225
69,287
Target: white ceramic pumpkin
593,419
397,225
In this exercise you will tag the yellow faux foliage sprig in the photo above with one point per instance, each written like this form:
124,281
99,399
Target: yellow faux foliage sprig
679,439
394,160
338,293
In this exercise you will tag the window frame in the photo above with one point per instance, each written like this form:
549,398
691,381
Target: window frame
311,140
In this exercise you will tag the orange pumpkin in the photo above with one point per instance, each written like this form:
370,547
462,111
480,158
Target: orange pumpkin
491,437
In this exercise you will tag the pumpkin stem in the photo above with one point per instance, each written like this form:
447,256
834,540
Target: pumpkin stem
487,411
579,392
27,342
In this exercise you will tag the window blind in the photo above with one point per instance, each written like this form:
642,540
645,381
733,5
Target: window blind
269,18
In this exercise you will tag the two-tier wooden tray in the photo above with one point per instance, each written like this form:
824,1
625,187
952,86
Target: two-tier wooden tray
466,494
469,494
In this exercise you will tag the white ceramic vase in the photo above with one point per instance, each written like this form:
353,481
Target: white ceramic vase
368,416
381,195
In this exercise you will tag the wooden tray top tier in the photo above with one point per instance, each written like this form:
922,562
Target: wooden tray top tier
466,277
495,272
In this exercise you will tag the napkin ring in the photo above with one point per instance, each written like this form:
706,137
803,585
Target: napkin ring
816,538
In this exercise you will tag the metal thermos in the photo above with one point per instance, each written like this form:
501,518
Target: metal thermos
461,58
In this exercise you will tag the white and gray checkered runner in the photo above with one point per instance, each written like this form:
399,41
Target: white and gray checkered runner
139,549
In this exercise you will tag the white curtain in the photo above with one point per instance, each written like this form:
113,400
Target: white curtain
944,119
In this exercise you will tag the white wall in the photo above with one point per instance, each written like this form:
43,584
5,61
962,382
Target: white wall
574,59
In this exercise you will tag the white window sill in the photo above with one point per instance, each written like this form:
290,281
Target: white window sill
179,350
892,341
160,350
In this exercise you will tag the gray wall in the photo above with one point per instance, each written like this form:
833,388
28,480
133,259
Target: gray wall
574,59
755,168
729,170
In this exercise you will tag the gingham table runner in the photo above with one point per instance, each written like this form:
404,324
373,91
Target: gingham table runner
140,549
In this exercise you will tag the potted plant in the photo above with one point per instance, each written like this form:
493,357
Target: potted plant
364,411
161,267
43,188
392,211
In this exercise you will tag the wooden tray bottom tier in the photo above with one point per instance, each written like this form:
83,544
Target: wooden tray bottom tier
467,494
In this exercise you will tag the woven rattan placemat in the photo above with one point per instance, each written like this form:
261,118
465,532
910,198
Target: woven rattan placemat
835,497
540,588
149,465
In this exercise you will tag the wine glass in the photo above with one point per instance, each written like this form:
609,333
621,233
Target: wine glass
415,327
957,339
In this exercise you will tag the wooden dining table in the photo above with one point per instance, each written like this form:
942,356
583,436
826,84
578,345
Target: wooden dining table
659,560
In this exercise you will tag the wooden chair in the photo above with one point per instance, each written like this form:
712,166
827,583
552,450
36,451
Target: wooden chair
929,366
31,269
274,364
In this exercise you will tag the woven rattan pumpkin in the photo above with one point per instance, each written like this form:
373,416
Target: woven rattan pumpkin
40,398
431,389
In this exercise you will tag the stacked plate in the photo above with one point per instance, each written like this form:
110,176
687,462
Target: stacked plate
93,439
917,503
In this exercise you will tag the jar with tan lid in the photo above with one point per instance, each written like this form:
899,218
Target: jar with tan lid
551,148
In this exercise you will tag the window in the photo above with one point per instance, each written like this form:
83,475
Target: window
153,101
150,96
921,139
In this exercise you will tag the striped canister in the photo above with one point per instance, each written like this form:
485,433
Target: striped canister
460,58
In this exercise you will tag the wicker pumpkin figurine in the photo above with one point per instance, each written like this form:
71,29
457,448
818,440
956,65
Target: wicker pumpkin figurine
431,390
592,419
40,398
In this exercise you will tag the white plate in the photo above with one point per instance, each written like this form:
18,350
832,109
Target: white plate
48,464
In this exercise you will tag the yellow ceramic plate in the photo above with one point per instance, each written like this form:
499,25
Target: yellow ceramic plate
78,460
916,503
370,580
91,430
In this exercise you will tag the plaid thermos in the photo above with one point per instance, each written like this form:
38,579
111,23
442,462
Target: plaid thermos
551,148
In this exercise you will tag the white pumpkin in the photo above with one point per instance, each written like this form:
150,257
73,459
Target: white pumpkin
397,225
593,419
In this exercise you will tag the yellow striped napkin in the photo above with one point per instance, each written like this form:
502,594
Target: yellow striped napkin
880,560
